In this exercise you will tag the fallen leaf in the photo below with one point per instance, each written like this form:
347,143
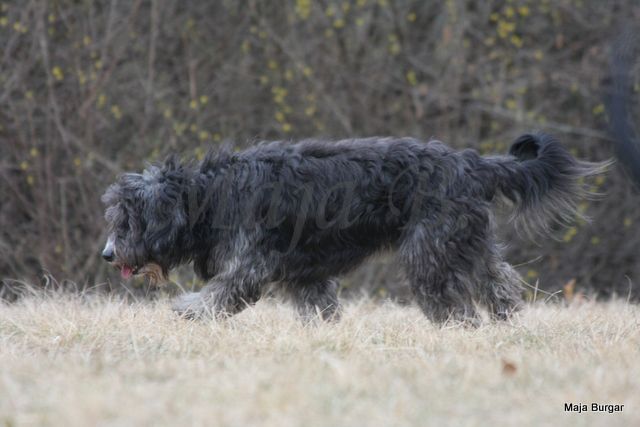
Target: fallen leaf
509,368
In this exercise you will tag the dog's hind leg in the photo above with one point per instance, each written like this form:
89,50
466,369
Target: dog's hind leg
315,299
505,294
501,289
439,270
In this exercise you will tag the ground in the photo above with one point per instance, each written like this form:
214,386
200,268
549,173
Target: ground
76,361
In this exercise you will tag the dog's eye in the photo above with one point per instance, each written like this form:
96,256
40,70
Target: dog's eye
123,229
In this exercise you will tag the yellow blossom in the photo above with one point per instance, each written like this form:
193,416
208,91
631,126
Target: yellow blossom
570,234
288,75
179,128
245,46
331,11
516,40
394,48
19,28
411,78
598,109
116,112
279,94
303,8
82,78
505,28
57,73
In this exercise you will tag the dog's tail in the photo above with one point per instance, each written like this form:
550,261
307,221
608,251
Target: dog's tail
544,182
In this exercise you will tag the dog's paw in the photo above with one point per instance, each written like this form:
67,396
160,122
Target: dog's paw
189,306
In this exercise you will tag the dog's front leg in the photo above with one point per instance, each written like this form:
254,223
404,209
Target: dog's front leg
219,299
239,283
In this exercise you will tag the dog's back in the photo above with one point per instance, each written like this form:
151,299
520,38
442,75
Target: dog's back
343,201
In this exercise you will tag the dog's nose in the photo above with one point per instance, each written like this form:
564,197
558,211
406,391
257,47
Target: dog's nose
107,254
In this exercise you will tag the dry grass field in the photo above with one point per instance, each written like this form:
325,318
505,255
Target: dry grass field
100,361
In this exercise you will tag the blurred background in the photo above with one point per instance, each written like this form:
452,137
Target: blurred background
90,89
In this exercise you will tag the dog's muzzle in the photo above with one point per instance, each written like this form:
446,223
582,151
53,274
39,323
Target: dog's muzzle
108,253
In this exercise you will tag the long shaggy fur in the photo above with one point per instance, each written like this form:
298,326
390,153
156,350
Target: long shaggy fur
300,215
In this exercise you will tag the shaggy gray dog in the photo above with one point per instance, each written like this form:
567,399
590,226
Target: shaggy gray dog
299,215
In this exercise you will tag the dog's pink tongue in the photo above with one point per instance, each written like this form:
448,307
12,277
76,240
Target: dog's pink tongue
126,271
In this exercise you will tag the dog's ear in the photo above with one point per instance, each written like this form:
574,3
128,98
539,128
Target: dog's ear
164,207
122,202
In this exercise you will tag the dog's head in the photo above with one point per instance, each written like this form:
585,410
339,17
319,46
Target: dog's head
147,220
